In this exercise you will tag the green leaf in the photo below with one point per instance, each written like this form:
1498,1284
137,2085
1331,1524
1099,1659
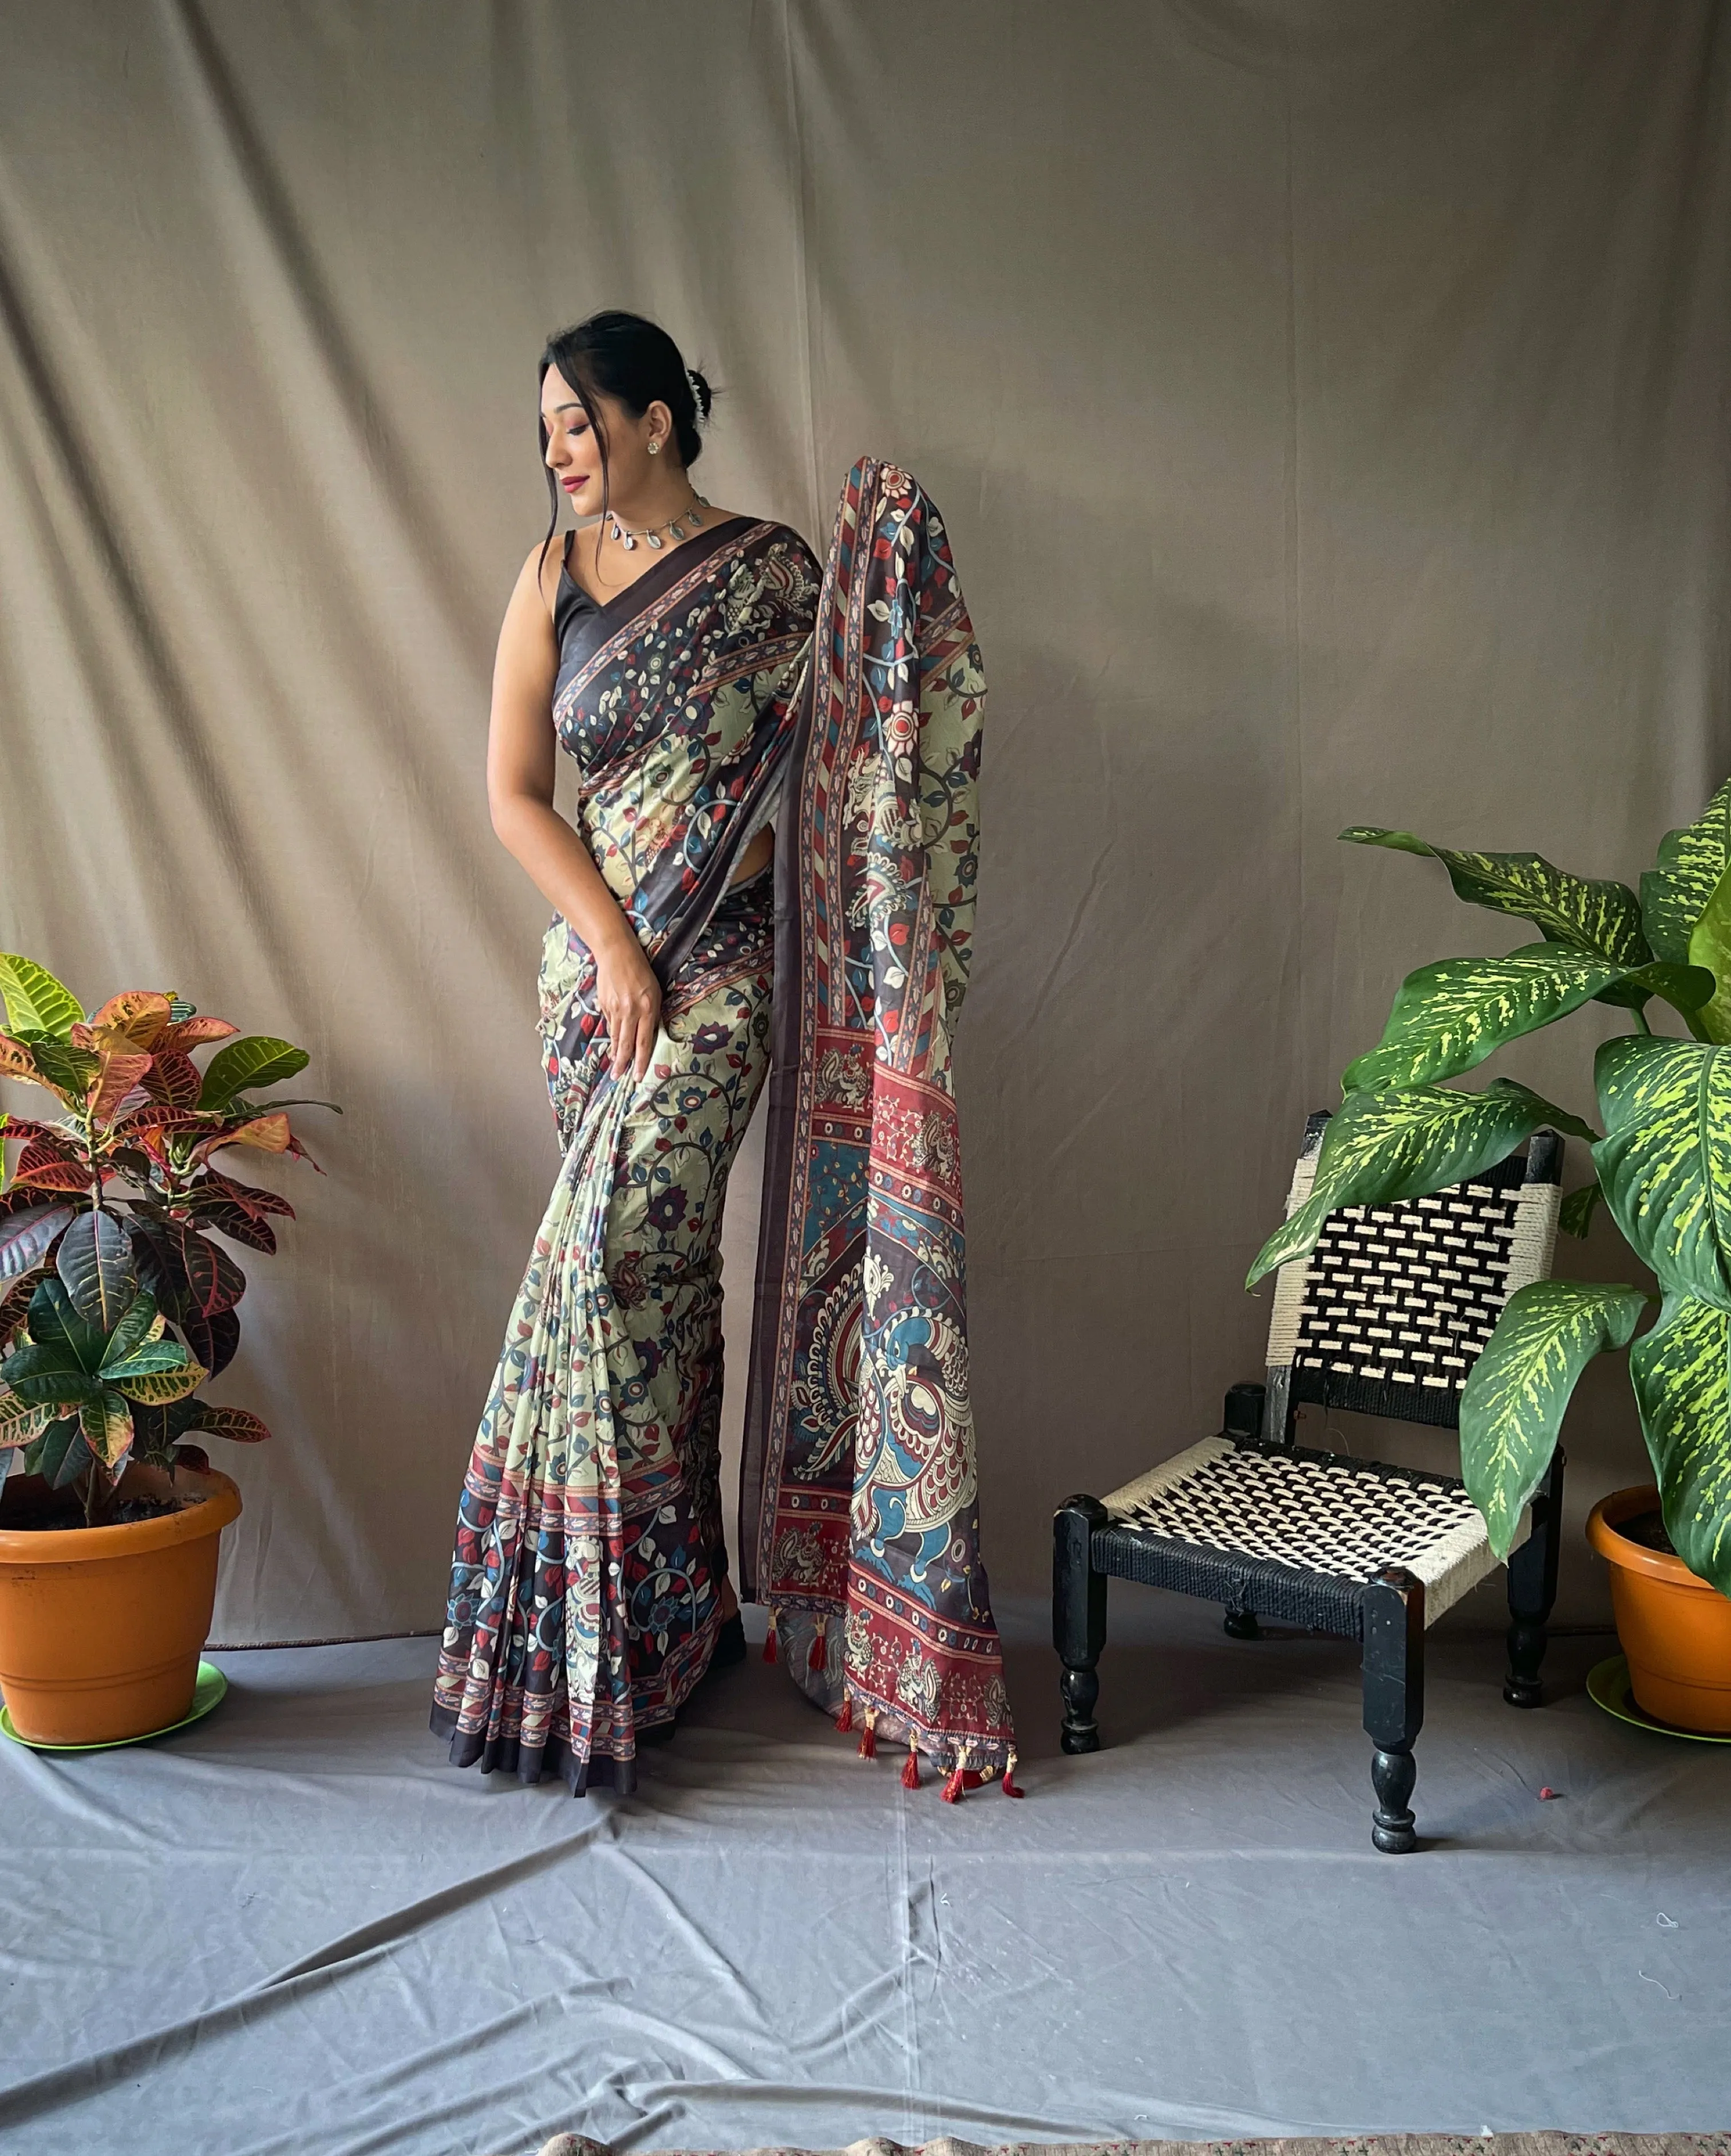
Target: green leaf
1512,1404
55,1323
60,1456
1677,891
69,1071
1601,916
133,1329
47,1385
1579,1208
1679,1371
254,1061
1664,1162
1382,1147
239,1424
96,1262
35,1001
1710,946
1449,1016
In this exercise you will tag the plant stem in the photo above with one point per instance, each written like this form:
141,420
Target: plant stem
1641,1025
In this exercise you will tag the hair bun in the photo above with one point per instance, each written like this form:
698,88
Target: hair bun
701,390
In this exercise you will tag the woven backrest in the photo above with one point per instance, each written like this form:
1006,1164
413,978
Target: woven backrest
1393,1306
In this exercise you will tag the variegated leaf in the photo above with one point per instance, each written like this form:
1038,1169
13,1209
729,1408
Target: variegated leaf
1675,892
156,1387
239,1424
25,1237
140,1013
1710,946
140,1326
106,1422
1382,1147
1449,1016
35,1001
1599,916
1664,1162
22,1422
1512,1404
1578,1208
1682,1385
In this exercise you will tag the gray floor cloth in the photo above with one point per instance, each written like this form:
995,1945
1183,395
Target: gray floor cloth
293,1928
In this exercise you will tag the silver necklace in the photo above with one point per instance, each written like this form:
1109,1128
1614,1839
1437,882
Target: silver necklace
674,528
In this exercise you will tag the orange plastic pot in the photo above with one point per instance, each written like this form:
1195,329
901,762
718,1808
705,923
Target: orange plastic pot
101,1627
1675,1630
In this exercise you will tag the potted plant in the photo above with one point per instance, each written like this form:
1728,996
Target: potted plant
115,1307
1662,1169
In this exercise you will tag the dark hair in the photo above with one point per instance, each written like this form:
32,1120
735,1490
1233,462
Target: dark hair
634,361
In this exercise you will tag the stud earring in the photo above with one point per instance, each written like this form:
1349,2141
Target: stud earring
655,449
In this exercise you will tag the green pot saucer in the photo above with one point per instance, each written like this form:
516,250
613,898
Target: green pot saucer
206,1692
1608,1687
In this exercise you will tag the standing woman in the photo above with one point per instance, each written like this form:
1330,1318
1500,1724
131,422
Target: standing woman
661,648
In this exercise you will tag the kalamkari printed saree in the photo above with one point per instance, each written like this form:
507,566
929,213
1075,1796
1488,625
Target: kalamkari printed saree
589,1550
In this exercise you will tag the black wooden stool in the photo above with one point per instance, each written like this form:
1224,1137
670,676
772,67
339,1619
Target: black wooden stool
1385,1317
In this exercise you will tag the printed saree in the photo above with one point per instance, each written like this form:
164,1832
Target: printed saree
582,1608
859,1516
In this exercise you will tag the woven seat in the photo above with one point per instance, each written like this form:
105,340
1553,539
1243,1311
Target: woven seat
1387,1316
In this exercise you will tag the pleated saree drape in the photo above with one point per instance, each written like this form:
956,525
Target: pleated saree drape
584,1598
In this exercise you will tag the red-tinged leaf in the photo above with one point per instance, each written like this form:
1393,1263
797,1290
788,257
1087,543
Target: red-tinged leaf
173,1078
236,1222
55,1135
251,1196
215,1283
237,1423
15,1304
15,1060
39,1169
26,1236
269,1133
212,1341
140,1013
121,1074
196,1033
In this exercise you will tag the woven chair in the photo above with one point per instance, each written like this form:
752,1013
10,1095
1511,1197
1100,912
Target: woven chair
1386,1316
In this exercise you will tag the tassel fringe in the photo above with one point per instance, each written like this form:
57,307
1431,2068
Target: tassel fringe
769,1640
1009,1779
816,1660
845,1720
911,1768
868,1741
954,1788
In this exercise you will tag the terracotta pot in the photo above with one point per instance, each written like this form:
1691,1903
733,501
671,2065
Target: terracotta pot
1675,1630
100,1628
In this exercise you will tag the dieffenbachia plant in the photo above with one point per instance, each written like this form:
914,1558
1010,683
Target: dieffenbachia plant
1662,1165
118,1198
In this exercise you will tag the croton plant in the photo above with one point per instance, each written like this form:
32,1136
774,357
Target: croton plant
1662,1164
116,1302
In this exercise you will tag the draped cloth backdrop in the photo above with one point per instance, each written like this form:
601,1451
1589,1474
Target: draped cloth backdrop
1328,403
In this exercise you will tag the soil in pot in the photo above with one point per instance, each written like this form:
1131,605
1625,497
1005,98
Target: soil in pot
1675,1629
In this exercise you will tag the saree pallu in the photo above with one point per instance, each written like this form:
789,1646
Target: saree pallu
858,1513
582,1605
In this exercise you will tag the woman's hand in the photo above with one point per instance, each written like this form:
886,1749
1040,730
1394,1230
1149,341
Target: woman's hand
630,999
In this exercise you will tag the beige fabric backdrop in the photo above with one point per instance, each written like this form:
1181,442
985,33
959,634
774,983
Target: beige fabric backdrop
1328,402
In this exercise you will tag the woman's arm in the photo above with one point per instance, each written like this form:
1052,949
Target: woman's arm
521,756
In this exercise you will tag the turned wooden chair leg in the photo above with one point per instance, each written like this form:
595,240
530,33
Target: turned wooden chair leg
1533,1591
1394,1701
1078,1618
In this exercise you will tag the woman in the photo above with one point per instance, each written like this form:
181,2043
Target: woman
665,648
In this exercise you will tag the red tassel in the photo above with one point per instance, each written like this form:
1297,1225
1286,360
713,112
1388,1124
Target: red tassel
815,1661
1009,1779
868,1742
954,1788
911,1768
845,1720
769,1640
